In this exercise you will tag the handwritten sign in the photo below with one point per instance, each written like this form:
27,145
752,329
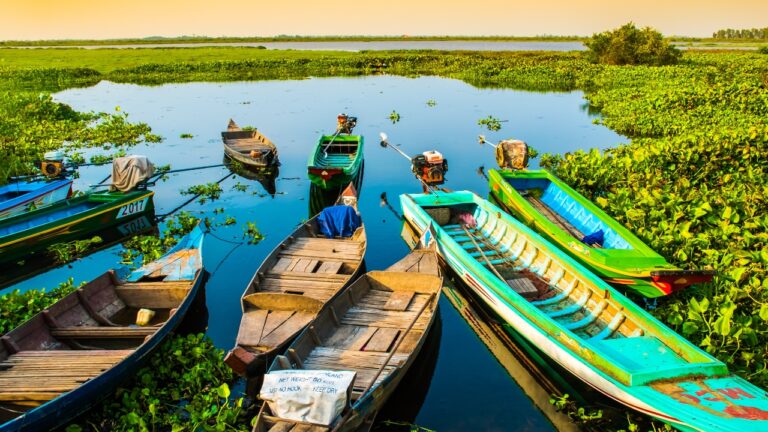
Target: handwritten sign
312,396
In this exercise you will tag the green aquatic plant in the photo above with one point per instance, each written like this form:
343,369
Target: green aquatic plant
394,117
252,233
17,307
69,251
186,136
150,247
209,191
431,103
491,123
629,45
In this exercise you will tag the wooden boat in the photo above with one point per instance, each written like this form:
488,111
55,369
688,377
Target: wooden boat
67,358
336,161
265,176
581,322
376,327
564,217
290,287
249,147
24,196
70,220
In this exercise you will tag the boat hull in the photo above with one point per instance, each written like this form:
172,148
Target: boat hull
334,171
19,242
39,195
57,412
633,265
691,401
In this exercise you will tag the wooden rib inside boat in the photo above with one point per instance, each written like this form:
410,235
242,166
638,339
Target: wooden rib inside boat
288,290
376,328
81,347
249,147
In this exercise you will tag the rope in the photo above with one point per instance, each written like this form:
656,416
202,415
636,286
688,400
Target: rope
162,217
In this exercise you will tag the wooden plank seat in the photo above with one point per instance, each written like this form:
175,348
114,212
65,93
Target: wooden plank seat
365,363
98,332
34,377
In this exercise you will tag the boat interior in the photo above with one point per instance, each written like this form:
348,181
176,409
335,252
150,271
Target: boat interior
564,211
58,212
587,311
372,328
339,146
83,335
301,275
244,141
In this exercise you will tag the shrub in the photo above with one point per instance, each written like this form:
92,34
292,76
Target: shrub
629,45
763,49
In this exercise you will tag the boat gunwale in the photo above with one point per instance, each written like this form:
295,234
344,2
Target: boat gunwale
577,347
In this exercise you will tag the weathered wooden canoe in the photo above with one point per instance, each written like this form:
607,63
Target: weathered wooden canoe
336,161
581,322
69,220
249,147
290,287
565,217
24,196
69,357
376,328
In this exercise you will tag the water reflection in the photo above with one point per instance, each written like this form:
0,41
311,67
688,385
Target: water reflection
406,401
196,319
265,176
40,261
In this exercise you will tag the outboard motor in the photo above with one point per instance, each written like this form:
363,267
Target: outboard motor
430,167
345,123
512,154
52,165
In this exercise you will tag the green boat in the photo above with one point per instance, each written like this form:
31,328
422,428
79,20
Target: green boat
68,220
566,218
581,322
336,161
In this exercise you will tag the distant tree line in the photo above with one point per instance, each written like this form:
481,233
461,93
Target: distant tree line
753,33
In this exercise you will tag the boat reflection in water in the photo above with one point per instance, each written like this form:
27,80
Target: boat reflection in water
265,176
535,375
196,319
320,198
406,401
42,261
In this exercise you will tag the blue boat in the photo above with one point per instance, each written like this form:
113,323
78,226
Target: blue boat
66,359
23,196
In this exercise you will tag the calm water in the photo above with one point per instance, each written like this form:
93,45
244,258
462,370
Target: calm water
461,385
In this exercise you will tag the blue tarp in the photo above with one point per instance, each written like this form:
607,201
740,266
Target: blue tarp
338,221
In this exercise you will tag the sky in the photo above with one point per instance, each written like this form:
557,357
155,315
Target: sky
104,19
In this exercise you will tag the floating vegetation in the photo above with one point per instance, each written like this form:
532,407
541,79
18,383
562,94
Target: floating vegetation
17,307
186,136
431,103
491,123
184,368
69,251
150,248
209,191
105,159
240,187
394,117
252,233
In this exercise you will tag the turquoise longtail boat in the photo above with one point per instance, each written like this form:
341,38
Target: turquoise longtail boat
581,322
565,217
24,196
336,161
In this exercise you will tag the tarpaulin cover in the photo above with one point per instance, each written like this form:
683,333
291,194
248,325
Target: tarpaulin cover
313,396
596,237
129,171
339,221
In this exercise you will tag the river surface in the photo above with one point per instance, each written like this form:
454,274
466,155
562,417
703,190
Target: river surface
460,384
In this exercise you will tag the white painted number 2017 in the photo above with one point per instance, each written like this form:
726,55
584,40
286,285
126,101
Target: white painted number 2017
132,208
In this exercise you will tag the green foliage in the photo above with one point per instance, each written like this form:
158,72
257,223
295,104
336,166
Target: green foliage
186,136
753,33
17,307
692,185
628,45
763,50
184,387
105,159
491,123
252,233
209,191
394,117
69,251
150,247
431,103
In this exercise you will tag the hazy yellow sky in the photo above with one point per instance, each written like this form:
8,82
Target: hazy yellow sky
62,19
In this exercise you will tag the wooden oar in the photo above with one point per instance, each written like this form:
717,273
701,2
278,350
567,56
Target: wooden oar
386,362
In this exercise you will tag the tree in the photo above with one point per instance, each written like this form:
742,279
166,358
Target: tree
628,45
